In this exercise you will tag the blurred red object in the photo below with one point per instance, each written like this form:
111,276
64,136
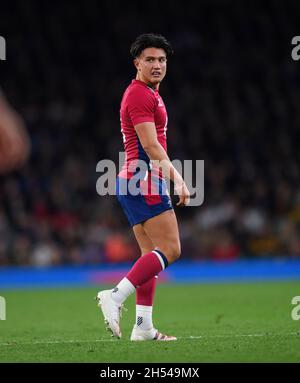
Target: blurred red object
119,249
225,248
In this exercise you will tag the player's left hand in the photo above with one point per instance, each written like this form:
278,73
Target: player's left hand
184,195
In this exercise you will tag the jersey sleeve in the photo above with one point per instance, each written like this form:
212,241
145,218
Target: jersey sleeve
141,105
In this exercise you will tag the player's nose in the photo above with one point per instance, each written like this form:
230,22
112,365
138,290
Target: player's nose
156,65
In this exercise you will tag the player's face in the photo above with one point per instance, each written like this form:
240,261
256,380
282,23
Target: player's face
151,66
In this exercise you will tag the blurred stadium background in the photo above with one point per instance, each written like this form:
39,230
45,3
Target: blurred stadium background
232,93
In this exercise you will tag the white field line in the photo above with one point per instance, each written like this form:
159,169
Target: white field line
13,343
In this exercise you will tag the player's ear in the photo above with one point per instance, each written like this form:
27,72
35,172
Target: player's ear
136,62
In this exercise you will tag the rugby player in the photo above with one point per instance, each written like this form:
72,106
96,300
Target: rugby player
150,213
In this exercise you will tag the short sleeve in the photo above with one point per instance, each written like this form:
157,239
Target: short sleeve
141,106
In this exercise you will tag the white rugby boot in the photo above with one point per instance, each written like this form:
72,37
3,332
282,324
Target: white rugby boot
153,334
112,312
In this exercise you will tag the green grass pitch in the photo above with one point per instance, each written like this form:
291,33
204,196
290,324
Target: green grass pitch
238,322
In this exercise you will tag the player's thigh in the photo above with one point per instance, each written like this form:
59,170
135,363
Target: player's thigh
144,242
163,232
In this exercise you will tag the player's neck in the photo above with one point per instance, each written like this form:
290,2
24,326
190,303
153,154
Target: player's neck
153,86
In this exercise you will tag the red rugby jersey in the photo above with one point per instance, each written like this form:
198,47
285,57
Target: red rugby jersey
140,103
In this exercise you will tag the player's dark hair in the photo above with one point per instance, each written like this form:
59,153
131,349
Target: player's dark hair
150,40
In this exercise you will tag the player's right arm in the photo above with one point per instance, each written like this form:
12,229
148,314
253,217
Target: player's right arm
147,135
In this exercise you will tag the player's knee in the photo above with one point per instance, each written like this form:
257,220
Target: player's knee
174,252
